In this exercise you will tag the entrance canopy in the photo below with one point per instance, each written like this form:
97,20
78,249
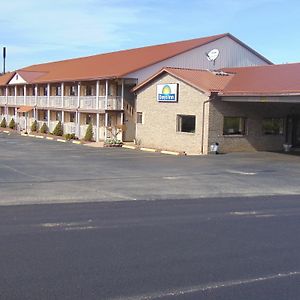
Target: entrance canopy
25,109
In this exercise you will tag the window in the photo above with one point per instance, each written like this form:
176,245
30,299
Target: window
43,115
88,119
58,116
72,117
45,89
186,123
58,90
88,90
273,126
234,126
73,90
139,118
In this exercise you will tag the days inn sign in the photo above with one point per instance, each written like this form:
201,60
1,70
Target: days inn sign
167,92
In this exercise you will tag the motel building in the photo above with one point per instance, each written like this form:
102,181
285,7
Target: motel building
181,96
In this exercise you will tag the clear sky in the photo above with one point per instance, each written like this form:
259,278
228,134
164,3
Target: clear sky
36,31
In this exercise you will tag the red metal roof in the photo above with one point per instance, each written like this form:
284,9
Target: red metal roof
115,64
264,80
269,80
204,80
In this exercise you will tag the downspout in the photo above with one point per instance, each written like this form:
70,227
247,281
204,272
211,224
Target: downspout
203,118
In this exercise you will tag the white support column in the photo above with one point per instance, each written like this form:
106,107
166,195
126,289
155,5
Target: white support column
48,95
106,94
62,94
78,124
78,95
48,117
6,103
15,95
62,117
35,94
16,115
97,124
97,94
122,121
106,125
25,94
122,95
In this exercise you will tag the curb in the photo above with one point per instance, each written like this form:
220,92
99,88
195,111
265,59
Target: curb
154,150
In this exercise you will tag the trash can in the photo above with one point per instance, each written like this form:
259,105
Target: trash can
214,148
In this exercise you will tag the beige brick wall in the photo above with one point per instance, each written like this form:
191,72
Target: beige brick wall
159,128
254,113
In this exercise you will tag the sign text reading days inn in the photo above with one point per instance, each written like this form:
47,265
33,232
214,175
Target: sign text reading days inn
167,92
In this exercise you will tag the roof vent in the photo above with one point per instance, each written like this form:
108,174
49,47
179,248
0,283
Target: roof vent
220,73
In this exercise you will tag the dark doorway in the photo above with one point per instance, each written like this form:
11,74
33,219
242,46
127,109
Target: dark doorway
296,131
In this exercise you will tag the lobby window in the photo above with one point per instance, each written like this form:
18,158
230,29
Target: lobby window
139,118
186,123
72,117
234,126
273,126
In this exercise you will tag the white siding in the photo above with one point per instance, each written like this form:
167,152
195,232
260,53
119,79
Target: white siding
232,54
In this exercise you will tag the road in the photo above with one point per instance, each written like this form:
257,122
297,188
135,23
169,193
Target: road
216,248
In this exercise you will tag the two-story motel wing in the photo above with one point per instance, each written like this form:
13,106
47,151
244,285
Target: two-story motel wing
97,89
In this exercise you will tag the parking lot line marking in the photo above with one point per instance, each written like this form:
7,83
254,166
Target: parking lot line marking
39,136
60,140
211,286
31,135
6,131
76,142
49,138
241,172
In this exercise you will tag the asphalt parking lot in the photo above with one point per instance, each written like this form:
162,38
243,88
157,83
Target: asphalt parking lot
40,171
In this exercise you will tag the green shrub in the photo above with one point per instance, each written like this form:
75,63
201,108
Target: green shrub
44,128
58,130
89,133
70,136
3,123
12,124
34,126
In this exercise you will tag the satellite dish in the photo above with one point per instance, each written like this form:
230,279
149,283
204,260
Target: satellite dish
212,55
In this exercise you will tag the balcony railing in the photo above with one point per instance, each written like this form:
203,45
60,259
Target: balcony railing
20,100
88,102
55,101
11,100
68,102
30,100
114,103
2,100
42,101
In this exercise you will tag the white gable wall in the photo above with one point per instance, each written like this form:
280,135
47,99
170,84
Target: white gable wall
17,79
232,54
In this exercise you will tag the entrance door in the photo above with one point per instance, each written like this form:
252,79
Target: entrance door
296,132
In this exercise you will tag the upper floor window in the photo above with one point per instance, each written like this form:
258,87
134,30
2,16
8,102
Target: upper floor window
45,90
73,90
89,90
58,90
